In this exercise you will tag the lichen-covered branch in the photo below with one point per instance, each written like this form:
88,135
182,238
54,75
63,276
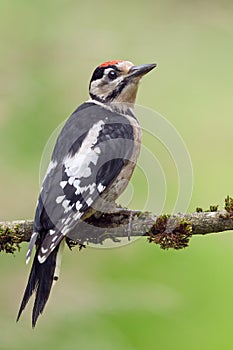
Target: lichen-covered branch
169,231
12,233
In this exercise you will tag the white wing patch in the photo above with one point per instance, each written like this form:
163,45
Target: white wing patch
80,189
51,166
65,204
89,201
44,250
100,187
78,165
51,232
41,258
78,205
77,215
71,180
63,184
59,199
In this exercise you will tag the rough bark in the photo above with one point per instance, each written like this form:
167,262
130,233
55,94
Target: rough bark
169,231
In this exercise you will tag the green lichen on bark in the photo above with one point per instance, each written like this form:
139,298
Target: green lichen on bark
229,206
10,239
175,234
212,208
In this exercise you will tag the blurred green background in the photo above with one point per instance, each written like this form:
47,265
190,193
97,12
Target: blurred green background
136,296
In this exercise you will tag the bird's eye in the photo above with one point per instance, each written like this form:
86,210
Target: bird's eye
112,74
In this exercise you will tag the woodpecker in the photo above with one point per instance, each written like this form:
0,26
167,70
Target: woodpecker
92,163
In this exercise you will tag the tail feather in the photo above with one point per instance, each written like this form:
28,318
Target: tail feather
40,281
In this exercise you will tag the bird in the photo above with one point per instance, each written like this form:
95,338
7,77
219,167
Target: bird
92,162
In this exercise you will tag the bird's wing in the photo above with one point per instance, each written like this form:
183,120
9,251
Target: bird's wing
90,152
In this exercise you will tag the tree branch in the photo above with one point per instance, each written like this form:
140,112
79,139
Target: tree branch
169,231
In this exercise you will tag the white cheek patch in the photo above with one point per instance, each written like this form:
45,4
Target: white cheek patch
103,87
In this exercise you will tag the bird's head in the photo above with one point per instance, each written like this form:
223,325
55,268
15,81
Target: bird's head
117,81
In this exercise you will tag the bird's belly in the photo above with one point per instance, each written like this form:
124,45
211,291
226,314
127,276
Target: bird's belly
122,180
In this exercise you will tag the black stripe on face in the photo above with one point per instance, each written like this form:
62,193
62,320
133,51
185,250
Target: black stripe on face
97,98
117,91
99,72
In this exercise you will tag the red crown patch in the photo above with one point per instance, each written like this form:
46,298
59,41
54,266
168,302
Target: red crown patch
110,63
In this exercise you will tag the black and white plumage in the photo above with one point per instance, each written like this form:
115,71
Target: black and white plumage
92,162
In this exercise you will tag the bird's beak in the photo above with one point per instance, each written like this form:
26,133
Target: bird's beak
139,71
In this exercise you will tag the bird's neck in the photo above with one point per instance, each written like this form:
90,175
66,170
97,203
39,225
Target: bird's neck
119,107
